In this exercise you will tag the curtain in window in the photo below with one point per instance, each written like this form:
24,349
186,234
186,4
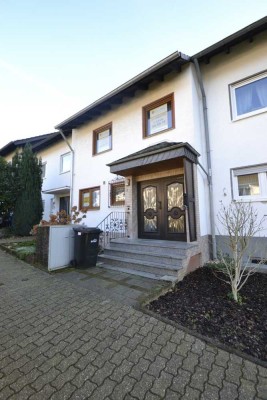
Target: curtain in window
251,97
261,89
244,99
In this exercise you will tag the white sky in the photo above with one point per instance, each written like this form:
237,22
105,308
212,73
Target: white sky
58,56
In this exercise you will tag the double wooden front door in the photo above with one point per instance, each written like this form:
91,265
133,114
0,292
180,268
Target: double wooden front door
161,213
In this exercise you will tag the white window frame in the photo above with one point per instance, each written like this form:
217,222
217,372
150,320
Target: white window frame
261,170
61,162
44,170
239,84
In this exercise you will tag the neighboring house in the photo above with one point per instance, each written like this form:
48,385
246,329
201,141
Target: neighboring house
170,145
56,161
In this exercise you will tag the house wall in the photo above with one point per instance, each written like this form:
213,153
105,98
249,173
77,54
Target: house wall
234,143
127,138
53,178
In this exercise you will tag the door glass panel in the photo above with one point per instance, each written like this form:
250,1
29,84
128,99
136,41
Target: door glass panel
175,194
150,224
176,225
150,198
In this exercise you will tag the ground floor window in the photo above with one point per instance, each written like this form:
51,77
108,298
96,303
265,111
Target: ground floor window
250,183
90,198
117,193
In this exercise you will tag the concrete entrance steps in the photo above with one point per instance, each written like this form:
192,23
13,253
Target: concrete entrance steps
155,259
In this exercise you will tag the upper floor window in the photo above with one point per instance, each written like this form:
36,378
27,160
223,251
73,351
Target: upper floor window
65,163
158,116
250,183
249,97
43,170
90,198
102,139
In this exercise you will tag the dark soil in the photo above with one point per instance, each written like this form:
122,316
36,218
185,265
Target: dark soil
200,302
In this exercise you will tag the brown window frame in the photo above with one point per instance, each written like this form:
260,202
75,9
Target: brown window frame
169,99
88,190
96,132
112,201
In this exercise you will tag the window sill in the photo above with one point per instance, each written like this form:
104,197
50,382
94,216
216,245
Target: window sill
250,200
248,115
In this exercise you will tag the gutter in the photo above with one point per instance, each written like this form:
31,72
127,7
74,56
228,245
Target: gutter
72,167
207,138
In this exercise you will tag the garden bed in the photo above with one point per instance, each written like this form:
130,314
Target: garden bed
200,302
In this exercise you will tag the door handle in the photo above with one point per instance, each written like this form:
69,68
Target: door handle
160,205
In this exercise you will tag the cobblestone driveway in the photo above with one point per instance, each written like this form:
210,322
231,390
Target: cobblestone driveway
60,341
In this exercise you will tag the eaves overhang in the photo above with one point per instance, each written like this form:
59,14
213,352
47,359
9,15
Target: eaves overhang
163,154
171,63
37,143
227,43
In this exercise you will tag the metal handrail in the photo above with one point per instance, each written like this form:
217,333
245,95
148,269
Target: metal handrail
113,226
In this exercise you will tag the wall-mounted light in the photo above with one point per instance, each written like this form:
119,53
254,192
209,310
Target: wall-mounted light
127,182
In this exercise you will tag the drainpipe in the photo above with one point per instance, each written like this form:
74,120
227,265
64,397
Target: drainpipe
72,167
207,138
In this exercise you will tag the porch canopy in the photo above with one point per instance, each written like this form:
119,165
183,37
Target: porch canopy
160,157
58,191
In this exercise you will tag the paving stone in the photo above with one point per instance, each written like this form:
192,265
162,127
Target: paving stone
233,373
137,354
183,348
262,371
262,387
104,391
190,362
246,390
84,375
162,384
9,379
229,391
222,358
85,391
171,395
103,373
64,377
139,368
45,378
249,371
180,381
24,394
216,375
123,388
44,394
64,393
157,366
24,380
210,393
174,364
87,359
199,378
6,393
191,394
142,387
207,359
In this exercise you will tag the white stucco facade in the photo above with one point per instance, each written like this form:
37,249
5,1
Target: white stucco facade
235,143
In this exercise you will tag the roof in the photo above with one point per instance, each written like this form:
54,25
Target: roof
159,153
225,44
173,62
37,143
